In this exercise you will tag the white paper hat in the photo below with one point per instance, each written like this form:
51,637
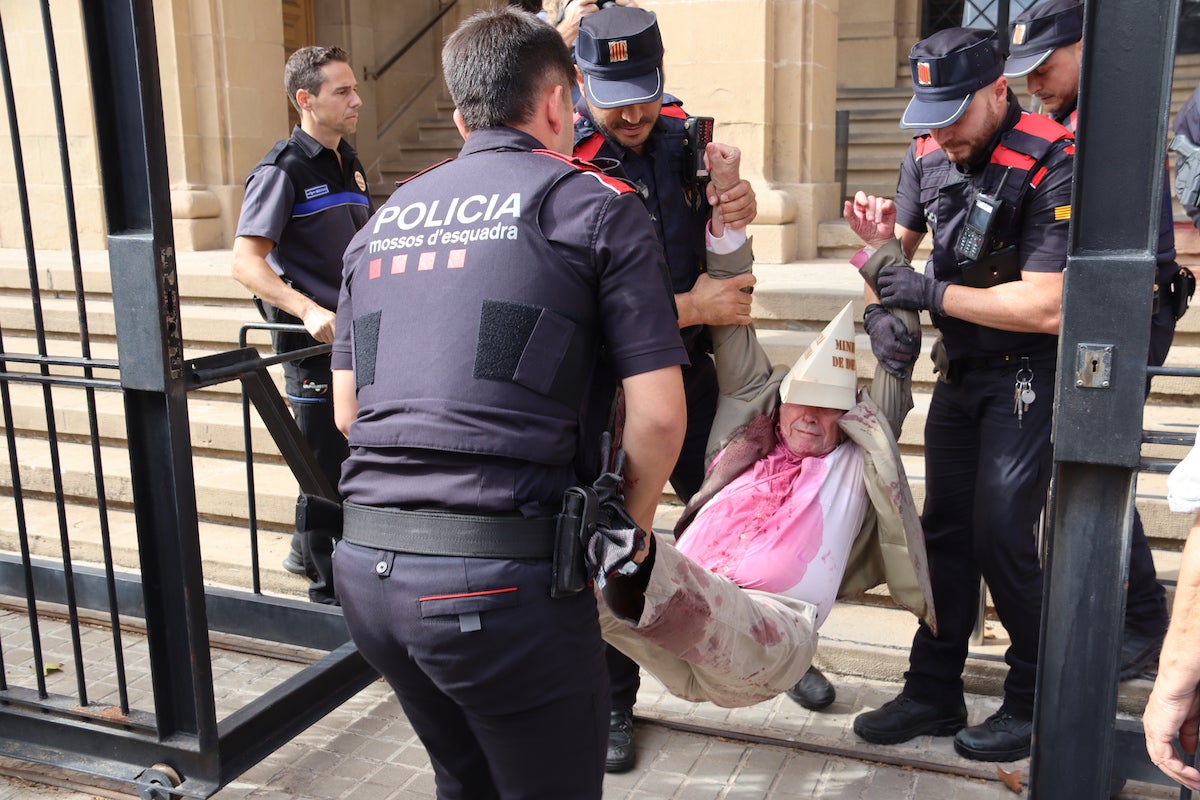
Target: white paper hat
826,375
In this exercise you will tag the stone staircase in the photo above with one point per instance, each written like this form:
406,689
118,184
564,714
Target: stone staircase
436,140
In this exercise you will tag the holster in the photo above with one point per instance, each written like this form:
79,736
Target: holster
576,524
1182,287
314,512
993,269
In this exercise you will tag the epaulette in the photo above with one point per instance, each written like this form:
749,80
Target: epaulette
422,172
618,185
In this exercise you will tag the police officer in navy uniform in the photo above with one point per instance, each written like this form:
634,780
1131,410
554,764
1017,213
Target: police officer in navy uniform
473,307
623,114
1046,50
995,298
304,202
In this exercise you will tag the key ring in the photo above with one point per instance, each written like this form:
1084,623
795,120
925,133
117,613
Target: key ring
1029,375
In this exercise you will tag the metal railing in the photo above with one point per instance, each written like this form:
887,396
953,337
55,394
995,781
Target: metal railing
158,733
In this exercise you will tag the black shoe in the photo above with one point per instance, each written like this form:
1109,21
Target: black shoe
1000,737
903,718
621,756
813,691
1138,652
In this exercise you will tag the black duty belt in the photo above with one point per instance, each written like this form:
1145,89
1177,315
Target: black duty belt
995,362
437,533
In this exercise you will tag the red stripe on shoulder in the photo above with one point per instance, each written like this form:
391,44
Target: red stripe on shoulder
616,184
925,145
673,110
422,172
1042,127
1007,157
588,148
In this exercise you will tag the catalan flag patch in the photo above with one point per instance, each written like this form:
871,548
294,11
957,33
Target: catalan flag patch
1062,212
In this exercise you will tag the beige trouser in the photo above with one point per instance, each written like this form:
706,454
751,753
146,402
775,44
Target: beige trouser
707,639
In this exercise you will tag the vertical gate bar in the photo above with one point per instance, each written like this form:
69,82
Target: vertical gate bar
1123,101
127,97
85,347
251,500
14,466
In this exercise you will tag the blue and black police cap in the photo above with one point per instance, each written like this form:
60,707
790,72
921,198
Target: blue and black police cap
947,69
619,51
1039,31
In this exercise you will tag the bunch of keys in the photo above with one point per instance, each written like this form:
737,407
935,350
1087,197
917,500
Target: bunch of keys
1024,395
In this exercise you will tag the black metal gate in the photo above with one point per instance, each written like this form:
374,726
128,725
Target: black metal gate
177,746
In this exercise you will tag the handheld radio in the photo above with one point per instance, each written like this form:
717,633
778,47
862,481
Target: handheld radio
977,232
698,132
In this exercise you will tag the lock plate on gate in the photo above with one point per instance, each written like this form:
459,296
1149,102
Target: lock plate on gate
1093,366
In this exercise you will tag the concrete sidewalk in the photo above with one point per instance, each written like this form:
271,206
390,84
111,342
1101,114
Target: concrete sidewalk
366,750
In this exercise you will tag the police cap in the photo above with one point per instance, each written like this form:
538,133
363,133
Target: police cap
619,51
948,68
1039,31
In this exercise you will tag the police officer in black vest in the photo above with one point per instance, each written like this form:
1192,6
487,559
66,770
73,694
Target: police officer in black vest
304,201
993,184
623,114
1047,50
473,308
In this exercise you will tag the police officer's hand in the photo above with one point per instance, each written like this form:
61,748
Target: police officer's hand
318,322
574,11
894,347
902,287
726,189
872,218
716,302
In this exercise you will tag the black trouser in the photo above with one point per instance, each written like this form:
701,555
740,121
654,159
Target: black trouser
504,685
1146,600
308,383
985,482
701,391
309,391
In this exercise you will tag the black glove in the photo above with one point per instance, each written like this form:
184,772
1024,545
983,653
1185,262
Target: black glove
901,287
611,548
894,347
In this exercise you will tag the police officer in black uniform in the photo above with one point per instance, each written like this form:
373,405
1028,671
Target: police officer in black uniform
304,202
623,115
993,184
1046,50
473,307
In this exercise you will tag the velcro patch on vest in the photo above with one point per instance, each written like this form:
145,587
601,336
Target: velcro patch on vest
366,348
533,347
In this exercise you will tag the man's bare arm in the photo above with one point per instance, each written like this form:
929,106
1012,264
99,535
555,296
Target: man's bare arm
345,400
250,269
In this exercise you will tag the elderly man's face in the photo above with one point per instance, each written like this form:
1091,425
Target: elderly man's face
810,430
1056,81
964,141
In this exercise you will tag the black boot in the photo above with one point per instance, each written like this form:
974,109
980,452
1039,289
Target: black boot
903,718
621,755
1000,737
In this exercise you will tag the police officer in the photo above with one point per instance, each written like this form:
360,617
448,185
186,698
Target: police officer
622,114
472,309
1046,50
993,185
304,202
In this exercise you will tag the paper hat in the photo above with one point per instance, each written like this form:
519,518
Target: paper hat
826,375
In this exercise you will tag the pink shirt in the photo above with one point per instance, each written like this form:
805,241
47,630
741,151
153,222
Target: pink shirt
785,525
